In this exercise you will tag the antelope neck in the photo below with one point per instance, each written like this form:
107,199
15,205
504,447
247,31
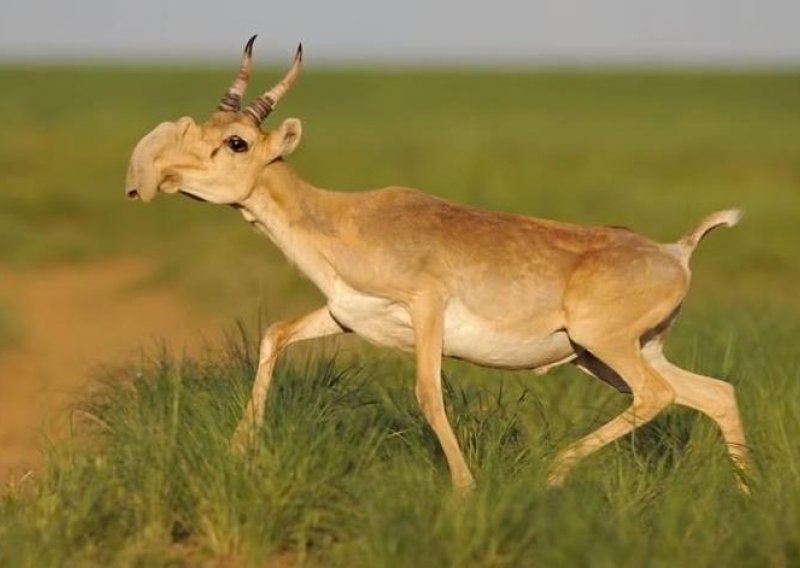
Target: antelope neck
294,214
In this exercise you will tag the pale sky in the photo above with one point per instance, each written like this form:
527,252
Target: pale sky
728,32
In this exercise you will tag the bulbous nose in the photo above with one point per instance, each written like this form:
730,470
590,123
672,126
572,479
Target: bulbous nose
144,172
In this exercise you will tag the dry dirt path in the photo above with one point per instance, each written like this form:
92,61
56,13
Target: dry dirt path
75,318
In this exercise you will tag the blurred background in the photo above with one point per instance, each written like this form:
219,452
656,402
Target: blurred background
621,112
738,33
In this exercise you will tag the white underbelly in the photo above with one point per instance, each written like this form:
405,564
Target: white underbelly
378,320
466,336
521,346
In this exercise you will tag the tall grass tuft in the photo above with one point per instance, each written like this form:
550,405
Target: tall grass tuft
346,472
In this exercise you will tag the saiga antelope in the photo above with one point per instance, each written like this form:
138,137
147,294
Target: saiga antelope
407,270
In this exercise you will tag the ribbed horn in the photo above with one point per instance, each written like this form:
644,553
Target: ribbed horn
260,108
232,101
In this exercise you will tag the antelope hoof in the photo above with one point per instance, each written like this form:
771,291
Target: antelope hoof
558,474
463,485
555,480
742,486
243,438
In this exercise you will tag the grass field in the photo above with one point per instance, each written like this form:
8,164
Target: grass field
347,473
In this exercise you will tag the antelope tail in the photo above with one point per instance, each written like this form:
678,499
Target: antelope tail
728,218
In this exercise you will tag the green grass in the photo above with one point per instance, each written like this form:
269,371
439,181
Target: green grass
346,472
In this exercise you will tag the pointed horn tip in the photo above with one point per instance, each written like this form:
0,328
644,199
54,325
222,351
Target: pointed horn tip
299,54
248,48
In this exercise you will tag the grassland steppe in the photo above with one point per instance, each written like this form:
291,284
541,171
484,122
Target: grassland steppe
346,472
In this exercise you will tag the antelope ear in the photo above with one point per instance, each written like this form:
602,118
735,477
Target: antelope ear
287,137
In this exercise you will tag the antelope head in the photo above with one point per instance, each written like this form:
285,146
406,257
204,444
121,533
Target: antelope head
219,160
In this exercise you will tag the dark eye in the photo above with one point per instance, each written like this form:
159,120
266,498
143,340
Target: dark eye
236,144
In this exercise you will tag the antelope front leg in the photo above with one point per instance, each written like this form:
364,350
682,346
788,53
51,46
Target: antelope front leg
316,324
428,323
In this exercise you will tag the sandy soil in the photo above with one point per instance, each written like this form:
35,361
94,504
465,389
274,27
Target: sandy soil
75,318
